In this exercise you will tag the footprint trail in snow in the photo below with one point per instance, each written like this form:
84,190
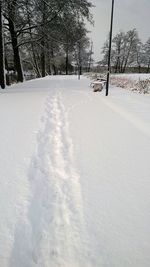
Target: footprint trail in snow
56,216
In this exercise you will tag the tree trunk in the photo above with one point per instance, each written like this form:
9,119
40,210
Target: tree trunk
35,63
148,66
17,60
139,69
67,59
90,59
7,69
49,61
80,69
79,61
116,66
43,58
53,64
37,70
54,69
127,57
2,58
43,64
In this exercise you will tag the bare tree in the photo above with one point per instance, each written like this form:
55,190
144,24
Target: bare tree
38,32
125,51
10,13
147,55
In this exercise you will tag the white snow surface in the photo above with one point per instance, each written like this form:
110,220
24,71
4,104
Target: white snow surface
74,175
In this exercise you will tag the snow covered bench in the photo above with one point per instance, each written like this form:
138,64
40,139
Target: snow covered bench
98,85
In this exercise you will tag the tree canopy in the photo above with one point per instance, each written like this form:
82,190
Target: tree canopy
43,35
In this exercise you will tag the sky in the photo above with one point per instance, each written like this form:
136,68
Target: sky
128,14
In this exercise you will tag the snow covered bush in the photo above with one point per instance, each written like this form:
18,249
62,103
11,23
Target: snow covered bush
140,85
144,86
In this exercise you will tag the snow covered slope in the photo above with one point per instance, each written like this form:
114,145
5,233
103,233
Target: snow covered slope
74,176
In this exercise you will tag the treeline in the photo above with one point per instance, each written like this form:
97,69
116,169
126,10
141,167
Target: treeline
128,51
43,37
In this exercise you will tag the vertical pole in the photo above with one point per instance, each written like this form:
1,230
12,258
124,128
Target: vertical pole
110,43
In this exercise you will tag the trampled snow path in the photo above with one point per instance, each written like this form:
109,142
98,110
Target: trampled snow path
62,211
55,217
74,176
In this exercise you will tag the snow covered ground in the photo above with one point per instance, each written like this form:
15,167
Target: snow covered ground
74,176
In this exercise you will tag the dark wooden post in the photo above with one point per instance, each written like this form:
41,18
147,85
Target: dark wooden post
109,52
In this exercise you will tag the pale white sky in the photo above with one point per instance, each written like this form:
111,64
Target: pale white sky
128,14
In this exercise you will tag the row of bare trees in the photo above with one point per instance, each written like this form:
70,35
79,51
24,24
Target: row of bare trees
127,51
43,37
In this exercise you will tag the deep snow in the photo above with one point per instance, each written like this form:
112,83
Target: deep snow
74,175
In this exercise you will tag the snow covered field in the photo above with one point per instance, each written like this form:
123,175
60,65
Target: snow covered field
74,176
